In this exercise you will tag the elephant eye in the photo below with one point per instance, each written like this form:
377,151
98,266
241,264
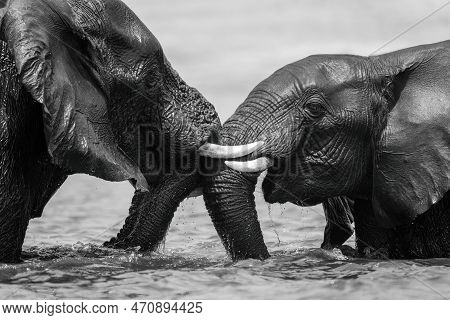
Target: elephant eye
314,109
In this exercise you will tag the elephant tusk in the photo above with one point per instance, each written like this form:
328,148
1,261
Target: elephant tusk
226,152
256,165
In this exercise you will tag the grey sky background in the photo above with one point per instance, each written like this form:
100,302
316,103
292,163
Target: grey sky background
224,48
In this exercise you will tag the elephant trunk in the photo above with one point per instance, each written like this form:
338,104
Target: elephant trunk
168,158
186,115
230,201
151,213
231,204
253,148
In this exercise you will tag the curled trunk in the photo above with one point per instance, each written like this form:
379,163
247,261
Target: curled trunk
170,130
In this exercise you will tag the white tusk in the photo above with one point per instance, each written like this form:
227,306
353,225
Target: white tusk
226,152
256,165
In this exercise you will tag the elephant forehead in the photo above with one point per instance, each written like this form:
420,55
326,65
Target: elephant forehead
277,84
287,83
127,25
113,23
319,71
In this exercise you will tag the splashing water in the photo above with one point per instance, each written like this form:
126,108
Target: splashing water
63,258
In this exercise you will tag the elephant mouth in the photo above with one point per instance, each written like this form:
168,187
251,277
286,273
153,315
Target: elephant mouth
278,192
276,189
273,194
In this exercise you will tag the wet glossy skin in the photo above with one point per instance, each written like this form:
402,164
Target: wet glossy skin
81,83
369,130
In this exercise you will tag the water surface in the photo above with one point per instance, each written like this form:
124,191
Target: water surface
64,258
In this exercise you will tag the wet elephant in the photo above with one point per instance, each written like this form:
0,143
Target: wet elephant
86,88
366,136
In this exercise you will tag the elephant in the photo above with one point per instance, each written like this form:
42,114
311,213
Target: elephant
368,137
86,89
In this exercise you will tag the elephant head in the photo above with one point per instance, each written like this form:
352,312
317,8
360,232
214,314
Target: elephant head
338,127
112,105
99,74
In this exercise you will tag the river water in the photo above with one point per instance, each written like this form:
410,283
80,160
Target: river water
224,48
64,258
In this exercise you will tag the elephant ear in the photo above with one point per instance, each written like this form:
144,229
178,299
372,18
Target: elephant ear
412,158
56,67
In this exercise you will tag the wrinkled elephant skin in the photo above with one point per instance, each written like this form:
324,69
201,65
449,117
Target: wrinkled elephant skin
366,136
86,88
